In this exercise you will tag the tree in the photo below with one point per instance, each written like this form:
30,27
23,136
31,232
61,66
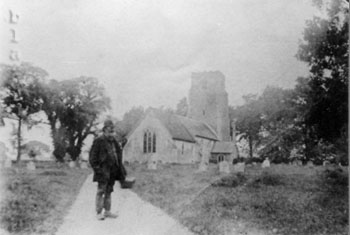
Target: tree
130,119
52,95
326,50
281,132
84,99
248,121
21,85
302,96
182,107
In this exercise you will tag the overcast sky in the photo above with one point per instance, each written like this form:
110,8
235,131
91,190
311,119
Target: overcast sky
144,51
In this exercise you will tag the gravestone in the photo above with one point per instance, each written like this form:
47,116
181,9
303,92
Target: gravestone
67,157
310,164
31,166
224,167
2,160
266,163
239,167
294,153
3,154
8,163
152,165
83,165
204,161
152,162
72,164
203,166
326,163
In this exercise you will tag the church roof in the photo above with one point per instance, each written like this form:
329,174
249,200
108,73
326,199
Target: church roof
197,128
176,129
223,147
185,129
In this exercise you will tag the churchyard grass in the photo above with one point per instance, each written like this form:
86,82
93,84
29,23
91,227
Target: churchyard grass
35,202
282,199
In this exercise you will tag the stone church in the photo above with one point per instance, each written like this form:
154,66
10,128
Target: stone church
203,134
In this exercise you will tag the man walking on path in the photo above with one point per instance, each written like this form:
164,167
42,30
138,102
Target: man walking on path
106,161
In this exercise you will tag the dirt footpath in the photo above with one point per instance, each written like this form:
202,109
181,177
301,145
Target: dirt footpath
136,217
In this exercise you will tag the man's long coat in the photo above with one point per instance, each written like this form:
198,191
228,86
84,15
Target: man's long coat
102,161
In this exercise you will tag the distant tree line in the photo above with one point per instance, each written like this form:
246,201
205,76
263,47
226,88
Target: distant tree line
312,118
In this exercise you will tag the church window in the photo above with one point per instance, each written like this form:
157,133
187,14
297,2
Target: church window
154,142
149,142
145,142
221,158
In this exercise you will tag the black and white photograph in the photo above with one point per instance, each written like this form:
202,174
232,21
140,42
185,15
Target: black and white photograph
174,117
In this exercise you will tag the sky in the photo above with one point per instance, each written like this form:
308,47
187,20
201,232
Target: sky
144,51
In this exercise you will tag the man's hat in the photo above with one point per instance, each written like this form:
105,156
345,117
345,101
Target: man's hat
108,123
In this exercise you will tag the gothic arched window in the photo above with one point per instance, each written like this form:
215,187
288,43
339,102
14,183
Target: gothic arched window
145,142
149,142
154,142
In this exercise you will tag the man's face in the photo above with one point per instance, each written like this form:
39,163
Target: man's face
109,131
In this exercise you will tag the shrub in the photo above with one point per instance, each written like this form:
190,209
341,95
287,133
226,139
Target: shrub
54,173
335,181
267,178
278,159
231,181
237,160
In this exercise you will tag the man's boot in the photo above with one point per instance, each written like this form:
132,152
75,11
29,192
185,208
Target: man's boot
100,216
109,214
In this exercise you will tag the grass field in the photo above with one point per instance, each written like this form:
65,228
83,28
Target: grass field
35,202
281,200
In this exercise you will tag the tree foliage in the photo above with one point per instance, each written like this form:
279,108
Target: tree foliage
281,132
83,99
312,117
72,107
326,50
248,121
20,93
53,106
130,119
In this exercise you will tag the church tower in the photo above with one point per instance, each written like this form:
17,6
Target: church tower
208,102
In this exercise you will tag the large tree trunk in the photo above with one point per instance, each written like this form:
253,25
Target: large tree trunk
19,139
73,150
310,142
250,141
59,143
58,138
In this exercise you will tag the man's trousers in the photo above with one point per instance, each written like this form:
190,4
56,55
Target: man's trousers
103,196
